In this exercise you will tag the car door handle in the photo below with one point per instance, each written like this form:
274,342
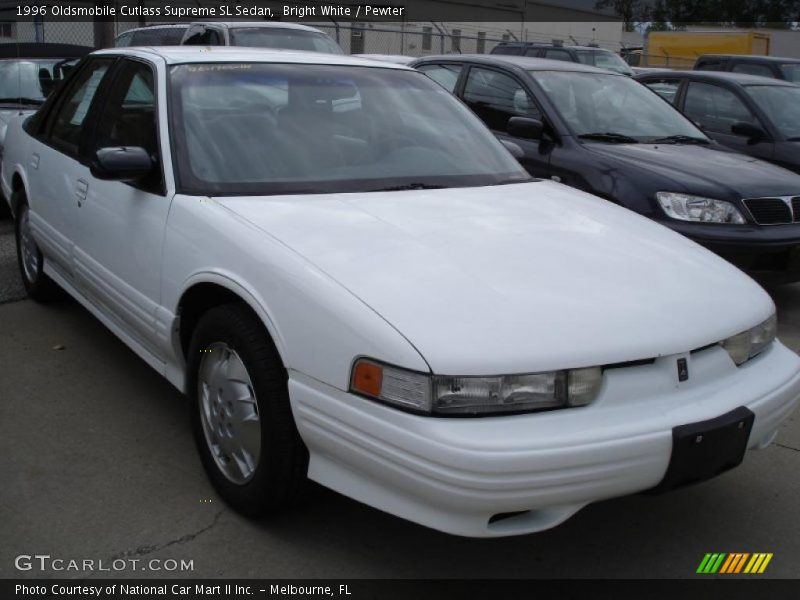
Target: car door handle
81,189
34,161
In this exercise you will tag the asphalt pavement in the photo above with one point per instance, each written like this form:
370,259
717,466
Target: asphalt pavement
97,462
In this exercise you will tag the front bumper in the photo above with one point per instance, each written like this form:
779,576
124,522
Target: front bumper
770,253
457,474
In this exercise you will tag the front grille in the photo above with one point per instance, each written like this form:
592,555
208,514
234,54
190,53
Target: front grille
796,208
771,211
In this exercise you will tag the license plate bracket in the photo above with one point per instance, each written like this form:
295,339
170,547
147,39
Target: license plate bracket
705,449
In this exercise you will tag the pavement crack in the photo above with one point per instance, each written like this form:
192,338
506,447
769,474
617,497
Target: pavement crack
787,447
184,539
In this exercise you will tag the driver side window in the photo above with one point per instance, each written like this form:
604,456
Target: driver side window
496,97
65,127
715,108
129,117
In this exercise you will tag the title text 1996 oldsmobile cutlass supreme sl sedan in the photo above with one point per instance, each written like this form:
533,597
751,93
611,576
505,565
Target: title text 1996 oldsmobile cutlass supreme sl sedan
356,283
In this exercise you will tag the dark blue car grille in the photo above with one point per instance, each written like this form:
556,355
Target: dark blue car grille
773,211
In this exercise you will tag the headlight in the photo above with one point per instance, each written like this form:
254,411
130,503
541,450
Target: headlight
448,395
744,346
695,208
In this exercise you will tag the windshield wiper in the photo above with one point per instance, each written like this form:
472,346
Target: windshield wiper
609,136
680,139
26,101
410,186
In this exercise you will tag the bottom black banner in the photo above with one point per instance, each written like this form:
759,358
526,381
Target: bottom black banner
356,589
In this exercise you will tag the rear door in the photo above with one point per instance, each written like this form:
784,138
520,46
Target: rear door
55,190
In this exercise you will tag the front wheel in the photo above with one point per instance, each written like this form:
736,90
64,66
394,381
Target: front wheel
30,259
241,416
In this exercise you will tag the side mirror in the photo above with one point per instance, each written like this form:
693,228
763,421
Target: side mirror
125,163
514,149
525,128
753,133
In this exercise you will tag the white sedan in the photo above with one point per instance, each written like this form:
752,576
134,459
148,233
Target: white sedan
356,283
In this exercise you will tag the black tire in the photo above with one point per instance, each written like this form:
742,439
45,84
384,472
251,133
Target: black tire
5,211
280,475
38,285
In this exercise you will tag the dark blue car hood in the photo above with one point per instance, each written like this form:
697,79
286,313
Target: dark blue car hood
694,169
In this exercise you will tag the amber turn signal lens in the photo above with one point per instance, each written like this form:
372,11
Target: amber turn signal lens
367,378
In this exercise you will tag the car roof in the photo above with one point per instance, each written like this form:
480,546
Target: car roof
259,24
174,55
526,63
739,78
752,57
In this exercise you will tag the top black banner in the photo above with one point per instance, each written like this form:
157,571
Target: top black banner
757,12
308,10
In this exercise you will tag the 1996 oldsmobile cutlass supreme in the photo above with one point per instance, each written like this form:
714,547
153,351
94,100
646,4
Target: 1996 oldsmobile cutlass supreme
356,283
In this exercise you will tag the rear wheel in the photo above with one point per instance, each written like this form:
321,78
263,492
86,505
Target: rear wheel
241,416
31,261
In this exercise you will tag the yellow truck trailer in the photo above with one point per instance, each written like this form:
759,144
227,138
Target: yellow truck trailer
679,49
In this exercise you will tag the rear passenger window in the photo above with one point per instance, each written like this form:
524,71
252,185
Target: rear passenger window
753,69
532,52
710,65
666,88
124,40
555,54
445,75
715,108
496,97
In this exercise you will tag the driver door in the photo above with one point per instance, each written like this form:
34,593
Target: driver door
717,108
496,96
121,224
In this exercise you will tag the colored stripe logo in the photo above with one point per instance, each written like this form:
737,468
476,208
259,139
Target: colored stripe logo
734,563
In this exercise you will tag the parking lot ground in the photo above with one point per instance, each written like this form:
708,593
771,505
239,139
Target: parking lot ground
97,462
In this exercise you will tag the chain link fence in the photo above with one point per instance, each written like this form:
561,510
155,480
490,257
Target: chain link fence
409,40
665,61
354,38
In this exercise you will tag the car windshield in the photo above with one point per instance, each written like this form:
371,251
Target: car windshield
781,104
604,60
284,38
259,129
596,103
28,81
791,72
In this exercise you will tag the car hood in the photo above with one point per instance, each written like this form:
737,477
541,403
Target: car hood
710,170
517,278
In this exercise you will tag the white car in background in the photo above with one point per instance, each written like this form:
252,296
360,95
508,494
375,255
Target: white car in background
276,35
169,34
355,282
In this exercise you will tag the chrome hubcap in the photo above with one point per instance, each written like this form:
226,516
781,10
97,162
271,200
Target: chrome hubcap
229,412
30,253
